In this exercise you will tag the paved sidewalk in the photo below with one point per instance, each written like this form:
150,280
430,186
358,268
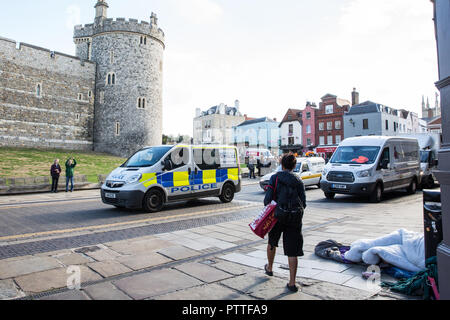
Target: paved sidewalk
214,262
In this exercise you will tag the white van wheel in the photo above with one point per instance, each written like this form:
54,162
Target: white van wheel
375,197
412,189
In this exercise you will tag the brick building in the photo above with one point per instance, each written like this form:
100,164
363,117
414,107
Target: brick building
309,127
329,123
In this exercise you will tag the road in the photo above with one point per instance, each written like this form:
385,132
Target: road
39,226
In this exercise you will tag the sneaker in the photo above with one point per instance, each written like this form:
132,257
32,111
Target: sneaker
294,288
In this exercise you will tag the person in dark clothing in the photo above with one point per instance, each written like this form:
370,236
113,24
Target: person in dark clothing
258,166
70,165
55,171
291,199
251,169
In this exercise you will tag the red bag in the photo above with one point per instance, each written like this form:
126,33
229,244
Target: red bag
266,220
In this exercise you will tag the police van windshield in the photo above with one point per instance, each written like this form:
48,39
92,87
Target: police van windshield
355,155
146,157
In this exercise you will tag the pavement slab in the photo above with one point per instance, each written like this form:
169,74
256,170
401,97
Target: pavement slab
156,283
333,277
245,260
28,265
331,291
143,261
203,272
105,291
233,268
109,268
73,259
178,252
103,255
8,290
205,292
68,295
52,279
133,247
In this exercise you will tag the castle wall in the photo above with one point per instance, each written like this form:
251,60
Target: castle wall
133,52
55,119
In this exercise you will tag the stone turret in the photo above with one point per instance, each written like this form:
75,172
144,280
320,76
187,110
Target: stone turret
128,95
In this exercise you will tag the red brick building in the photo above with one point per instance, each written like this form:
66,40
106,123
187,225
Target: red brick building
330,123
309,127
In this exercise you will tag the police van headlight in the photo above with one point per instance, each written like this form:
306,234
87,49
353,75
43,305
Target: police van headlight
133,178
364,173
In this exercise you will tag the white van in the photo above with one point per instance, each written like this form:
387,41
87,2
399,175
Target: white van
264,156
371,165
157,175
309,169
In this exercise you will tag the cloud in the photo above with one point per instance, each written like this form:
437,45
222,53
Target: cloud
73,16
198,11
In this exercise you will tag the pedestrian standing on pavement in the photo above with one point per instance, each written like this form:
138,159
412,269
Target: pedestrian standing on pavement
70,165
291,202
251,169
258,166
55,171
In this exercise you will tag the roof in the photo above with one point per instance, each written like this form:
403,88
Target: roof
371,140
253,121
231,111
365,107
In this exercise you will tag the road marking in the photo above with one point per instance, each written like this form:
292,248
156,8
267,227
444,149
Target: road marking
40,204
118,224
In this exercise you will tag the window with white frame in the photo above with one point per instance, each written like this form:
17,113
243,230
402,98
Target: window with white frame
338,139
337,124
329,109
330,140
322,140
308,128
321,126
330,125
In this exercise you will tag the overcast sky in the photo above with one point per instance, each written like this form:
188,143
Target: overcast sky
271,55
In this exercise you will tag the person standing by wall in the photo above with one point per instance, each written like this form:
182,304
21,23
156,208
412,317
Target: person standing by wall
70,165
55,171
251,168
291,202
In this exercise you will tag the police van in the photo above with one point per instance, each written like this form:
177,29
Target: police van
157,175
372,165
309,169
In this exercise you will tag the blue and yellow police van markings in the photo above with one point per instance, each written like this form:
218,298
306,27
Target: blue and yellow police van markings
206,179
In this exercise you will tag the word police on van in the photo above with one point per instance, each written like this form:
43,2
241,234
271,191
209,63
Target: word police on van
157,175
372,165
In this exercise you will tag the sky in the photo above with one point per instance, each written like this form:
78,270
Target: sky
270,55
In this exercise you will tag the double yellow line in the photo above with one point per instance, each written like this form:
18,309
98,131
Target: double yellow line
125,223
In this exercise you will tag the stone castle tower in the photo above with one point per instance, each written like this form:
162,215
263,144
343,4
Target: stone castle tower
128,85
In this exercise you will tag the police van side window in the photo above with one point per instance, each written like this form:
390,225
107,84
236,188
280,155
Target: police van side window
176,159
207,158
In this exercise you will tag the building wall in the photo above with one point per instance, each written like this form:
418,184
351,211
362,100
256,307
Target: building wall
115,45
355,127
215,128
297,133
309,122
337,115
56,119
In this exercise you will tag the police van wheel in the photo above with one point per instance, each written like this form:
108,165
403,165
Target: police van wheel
153,201
227,193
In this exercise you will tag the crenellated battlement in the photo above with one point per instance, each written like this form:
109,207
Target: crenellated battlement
119,25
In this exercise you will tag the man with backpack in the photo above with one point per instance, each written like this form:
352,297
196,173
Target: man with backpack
288,191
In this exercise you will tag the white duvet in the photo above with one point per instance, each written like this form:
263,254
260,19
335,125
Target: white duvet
402,248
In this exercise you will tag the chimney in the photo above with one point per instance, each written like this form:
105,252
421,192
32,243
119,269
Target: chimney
355,97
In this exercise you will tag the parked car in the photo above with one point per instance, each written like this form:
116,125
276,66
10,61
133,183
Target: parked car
372,165
308,169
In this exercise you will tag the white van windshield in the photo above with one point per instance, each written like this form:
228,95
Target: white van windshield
297,168
146,157
355,155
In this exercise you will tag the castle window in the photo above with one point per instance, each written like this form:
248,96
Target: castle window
111,57
77,116
90,94
142,39
141,103
145,40
80,96
111,79
102,97
38,90
117,131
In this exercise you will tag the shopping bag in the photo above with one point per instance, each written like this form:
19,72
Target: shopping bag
265,221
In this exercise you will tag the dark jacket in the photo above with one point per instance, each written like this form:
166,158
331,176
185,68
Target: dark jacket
69,168
290,190
55,170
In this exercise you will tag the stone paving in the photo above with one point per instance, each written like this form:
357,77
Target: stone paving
221,261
